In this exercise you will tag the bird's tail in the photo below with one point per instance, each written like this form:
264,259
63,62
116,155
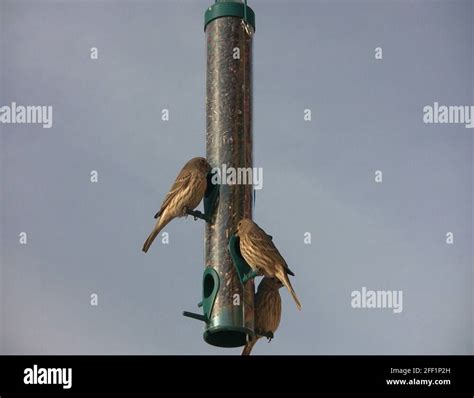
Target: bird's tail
286,281
158,227
248,347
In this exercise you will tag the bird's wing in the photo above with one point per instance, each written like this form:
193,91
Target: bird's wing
183,179
264,242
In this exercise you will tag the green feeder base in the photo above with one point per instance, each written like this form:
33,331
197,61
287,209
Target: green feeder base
227,336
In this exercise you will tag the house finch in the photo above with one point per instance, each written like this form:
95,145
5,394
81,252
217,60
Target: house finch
185,194
258,250
267,311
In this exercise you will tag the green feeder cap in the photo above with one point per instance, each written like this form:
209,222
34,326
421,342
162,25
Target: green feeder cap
229,8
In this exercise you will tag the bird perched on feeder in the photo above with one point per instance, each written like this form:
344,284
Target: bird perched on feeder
258,250
267,311
184,196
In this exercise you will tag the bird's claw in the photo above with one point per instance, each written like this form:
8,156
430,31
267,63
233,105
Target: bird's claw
268,335
196,214
251,275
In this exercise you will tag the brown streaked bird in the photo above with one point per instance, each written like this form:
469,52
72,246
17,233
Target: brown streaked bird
185,194
267,311
258,250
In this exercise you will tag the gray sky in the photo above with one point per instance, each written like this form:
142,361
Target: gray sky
85,238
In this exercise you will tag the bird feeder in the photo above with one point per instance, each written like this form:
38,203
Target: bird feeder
228,303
